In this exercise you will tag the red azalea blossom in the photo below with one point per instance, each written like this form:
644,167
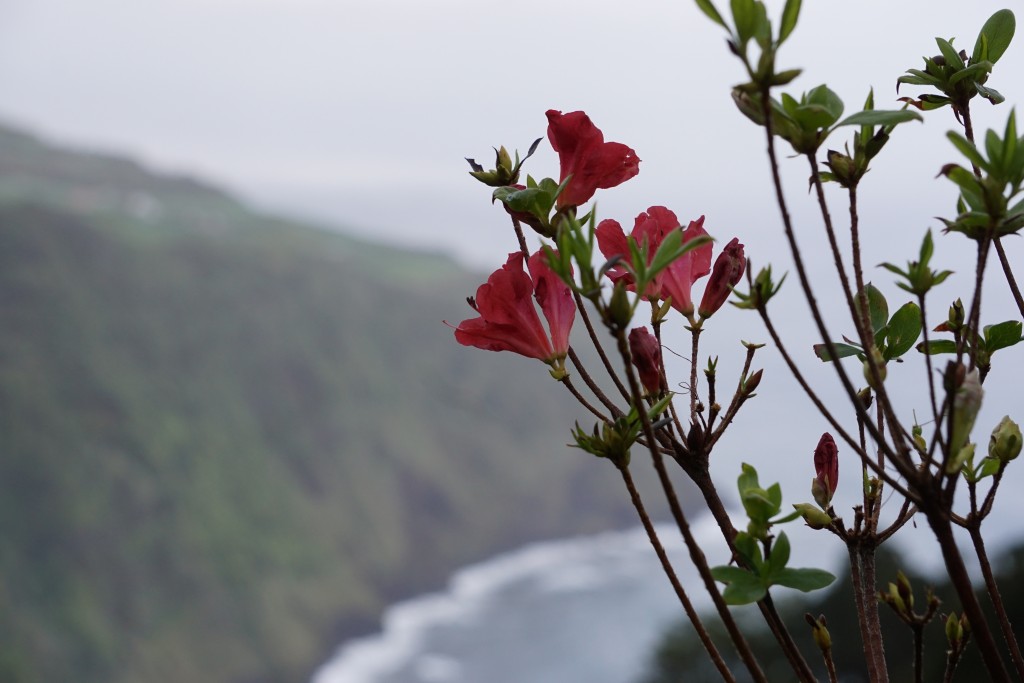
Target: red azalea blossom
646,357
729,268
651,227
826,465
508,319
582,152
677,280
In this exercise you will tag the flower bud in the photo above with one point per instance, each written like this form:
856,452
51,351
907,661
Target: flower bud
954,631
876,356
966,404
752,383
646,353
505,172
956,462
1005,442
619,311
826,465
956,316
729,267
819,631
815,518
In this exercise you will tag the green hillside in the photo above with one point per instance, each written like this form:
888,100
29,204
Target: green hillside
227,440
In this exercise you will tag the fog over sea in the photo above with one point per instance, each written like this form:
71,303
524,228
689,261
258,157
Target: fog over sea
581,609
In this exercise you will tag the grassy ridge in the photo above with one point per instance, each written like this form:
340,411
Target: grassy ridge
227,440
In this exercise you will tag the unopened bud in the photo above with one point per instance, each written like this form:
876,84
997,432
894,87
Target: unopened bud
826,467
813,516
819,631
966,404
954,631
646,356
879,361
752,382
619,310
905,590
956,316
1005,442
865,397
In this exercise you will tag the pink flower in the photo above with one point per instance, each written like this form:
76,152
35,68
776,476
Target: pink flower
646,353
729,268
582,152
508,319
826,464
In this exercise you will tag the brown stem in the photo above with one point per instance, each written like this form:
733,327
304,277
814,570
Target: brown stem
694,346
824,411
771,616
862,572
863,331
696,554
666,565
899,459
961,581
1008,273
994,595
918,630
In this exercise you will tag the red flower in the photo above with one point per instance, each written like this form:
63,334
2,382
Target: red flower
646,353
651,226
677,280
582,152
508,319
729,268
826,464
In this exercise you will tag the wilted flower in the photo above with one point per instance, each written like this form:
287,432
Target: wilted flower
729,267
582,152
508,319
646,353
826,466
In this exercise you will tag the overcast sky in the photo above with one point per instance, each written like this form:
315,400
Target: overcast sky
360,114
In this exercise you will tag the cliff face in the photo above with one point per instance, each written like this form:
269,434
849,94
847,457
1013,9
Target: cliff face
227,440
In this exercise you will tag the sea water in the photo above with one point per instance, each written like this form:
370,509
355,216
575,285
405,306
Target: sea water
581,609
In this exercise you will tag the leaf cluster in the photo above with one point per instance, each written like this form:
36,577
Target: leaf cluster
957,77
984,206
892,336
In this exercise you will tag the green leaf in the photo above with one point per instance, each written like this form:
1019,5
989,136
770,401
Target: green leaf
936,346
671,248
950,54
779,556
842,351
977,71
880,117
1002,336
743,589
968,149
989,466
878,308
749,550
709,10
805,580
903,330
729,573
790,14
998,32
744,15
990,94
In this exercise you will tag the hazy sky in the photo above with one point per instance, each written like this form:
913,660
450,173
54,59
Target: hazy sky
360,113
